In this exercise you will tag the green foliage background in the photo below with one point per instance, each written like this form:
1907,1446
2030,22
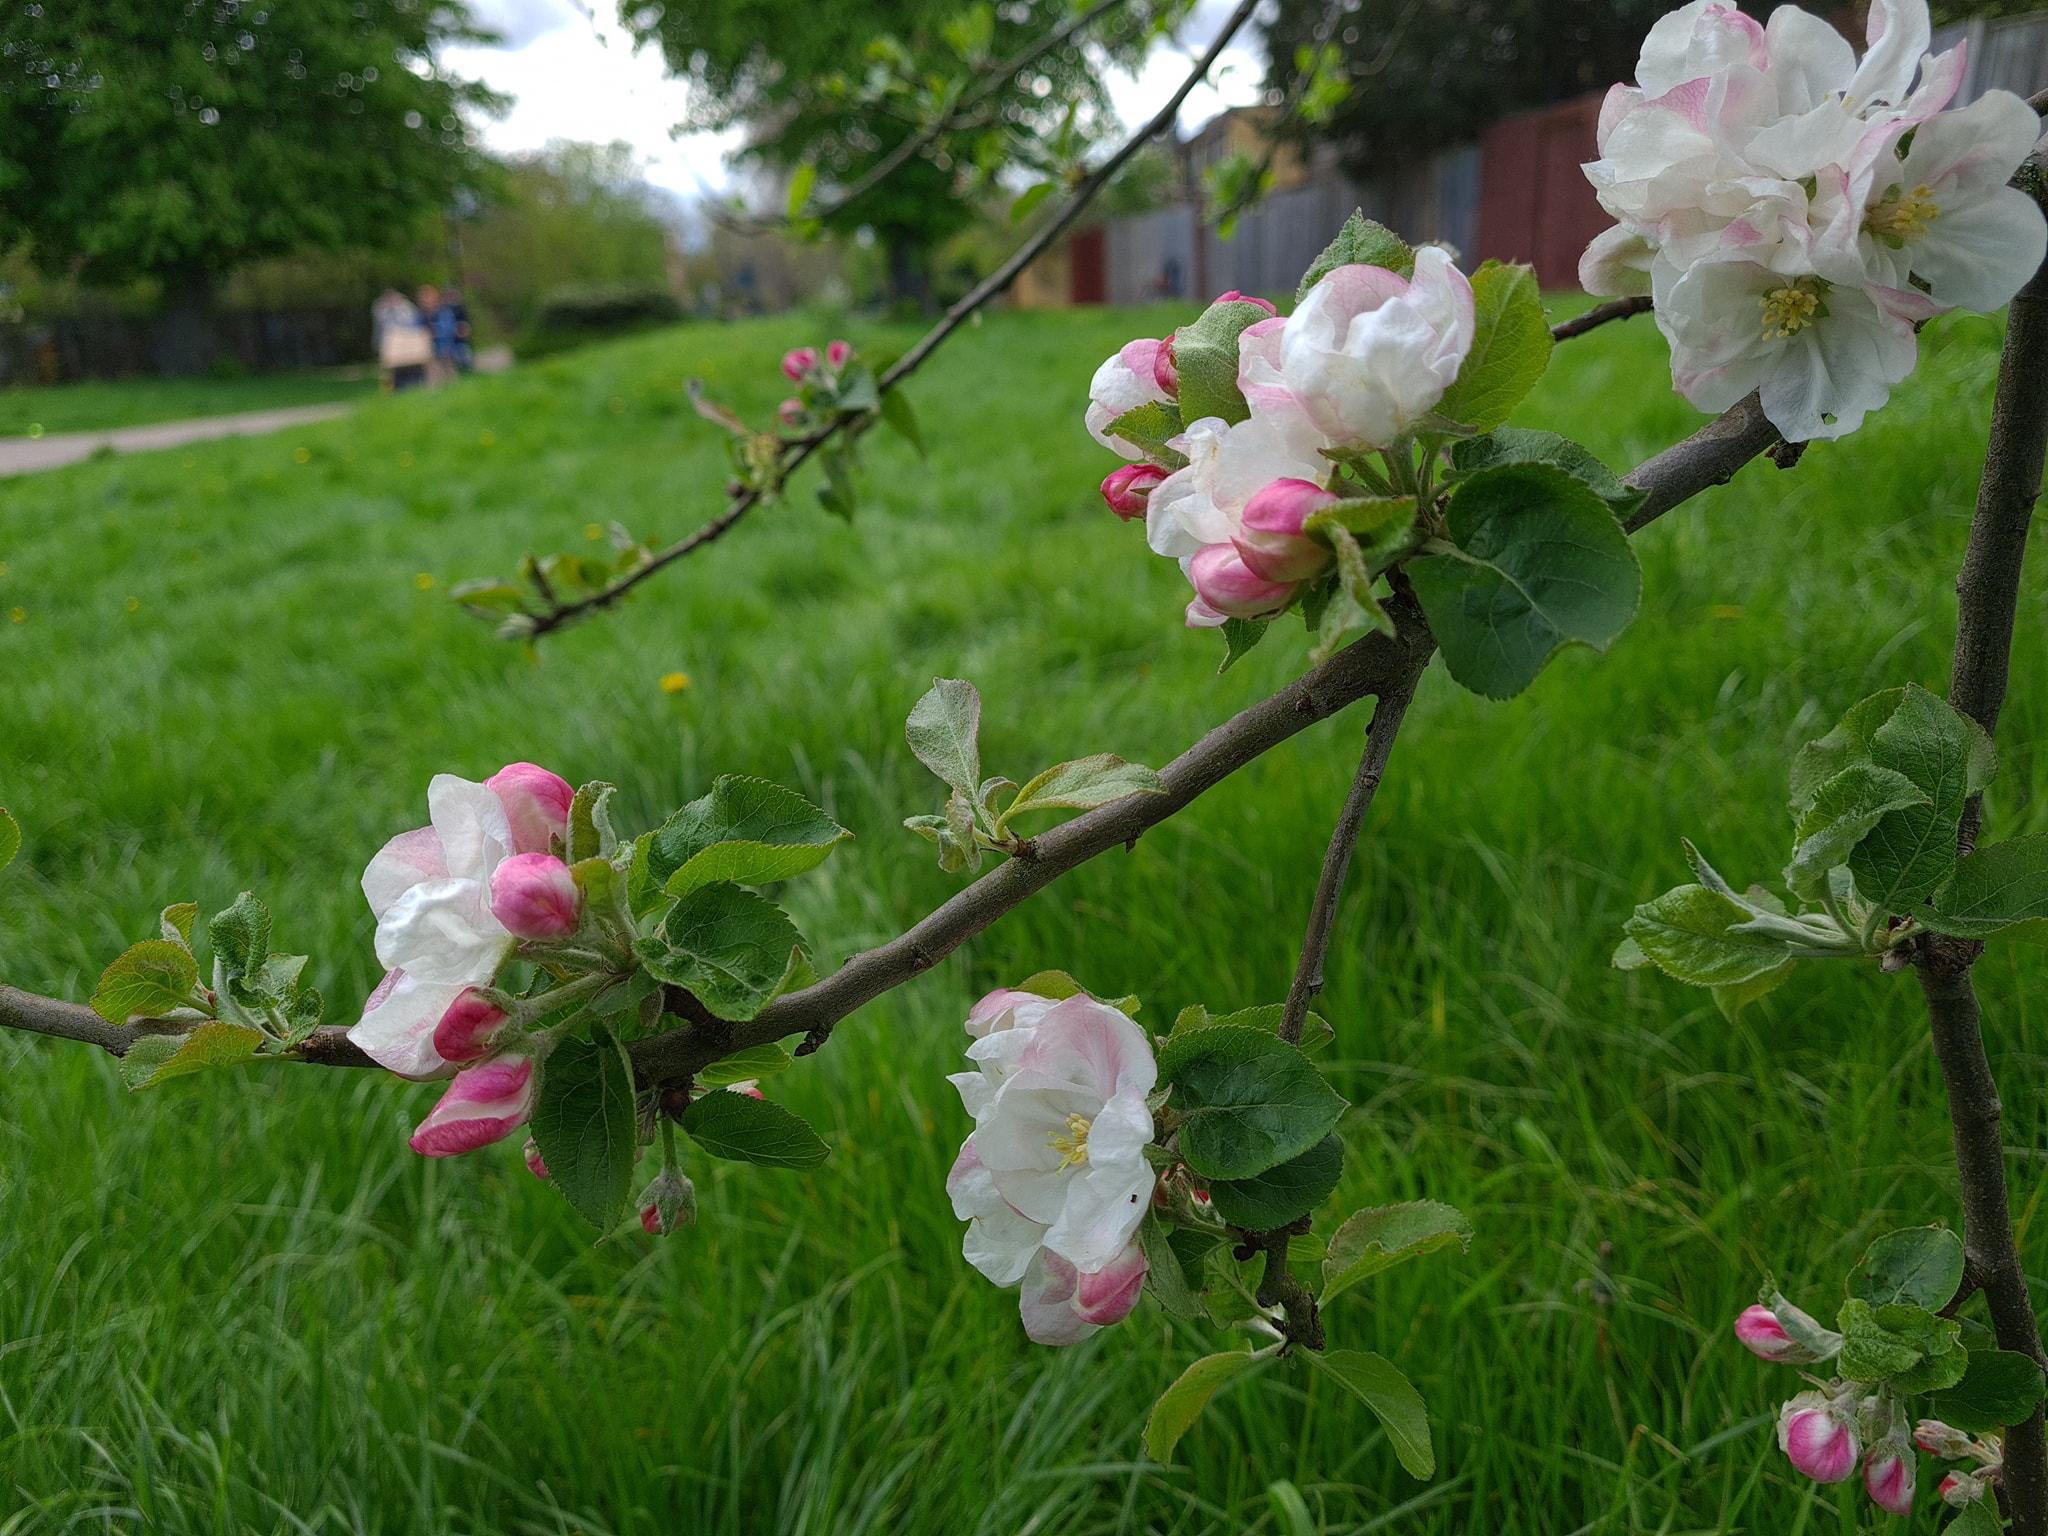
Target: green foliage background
246,1306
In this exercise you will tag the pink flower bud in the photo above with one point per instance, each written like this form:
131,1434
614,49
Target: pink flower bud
1165,371
1943,1440
839,353
1763,1335
669,1202
1245,298
751,1087
1961,1489
535,897
484,1104
1818,1441
650,1219
536,805
1127,490
790,412
799,361
1226,584
535,1163
1270,541
1888,1477
470,1025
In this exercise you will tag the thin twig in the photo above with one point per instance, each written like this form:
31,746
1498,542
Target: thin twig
1600,314
988,288
1322,913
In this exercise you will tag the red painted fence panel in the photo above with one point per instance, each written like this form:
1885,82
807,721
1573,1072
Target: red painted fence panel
1534,202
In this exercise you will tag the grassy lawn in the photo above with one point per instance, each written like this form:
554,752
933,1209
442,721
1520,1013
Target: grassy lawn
242,1305
95,406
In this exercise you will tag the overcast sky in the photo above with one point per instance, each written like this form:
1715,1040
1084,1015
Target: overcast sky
572,73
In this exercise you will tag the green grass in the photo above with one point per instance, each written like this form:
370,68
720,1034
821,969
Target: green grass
96,406
242,1305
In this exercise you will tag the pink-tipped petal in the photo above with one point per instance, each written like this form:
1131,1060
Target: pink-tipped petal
1107,1295
535,1163
1229,586
1818,1443
1762,1334
1165,371
1234,297
1271,542
535,897
536,805
1888,1478
799,361
1128,490
838,353
469,1027
484,1104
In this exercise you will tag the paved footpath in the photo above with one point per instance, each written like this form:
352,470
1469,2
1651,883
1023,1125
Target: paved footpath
26,455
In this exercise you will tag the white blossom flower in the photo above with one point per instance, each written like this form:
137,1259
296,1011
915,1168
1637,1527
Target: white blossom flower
1228,464
1123,383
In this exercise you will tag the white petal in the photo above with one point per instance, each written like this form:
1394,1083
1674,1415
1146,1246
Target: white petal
1103,1208
470,818
1898,32
402,864
1980,254
397,1027
442,930
1810,60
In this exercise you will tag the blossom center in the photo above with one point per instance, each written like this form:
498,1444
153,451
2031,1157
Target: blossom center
1072,1146
1905,217
1790,310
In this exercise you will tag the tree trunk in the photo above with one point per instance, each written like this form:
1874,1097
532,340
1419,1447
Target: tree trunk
185,342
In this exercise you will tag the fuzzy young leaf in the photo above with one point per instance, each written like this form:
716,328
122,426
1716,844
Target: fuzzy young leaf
1283,1193
1510,347
176,920
1993,888
586,1127
1843,810
1375,1240
1917,1266
240,936
1689,933
1379,1384
1082,785
1912,852
157,1059
1526,445
1249,1101
1182,1403
745,1066
1736,996
1165,1276
1151,428
147,980
1361,242
1978,1518
1380,525
944,731
1901,1343
2000,1387
590,823
727,946
1539,563
1205,356
746,831
1239,636
744,1129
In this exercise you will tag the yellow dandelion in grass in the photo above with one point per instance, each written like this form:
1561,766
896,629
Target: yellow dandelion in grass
593,531
424,581
133,605
17,615
302,455
486,438
671,682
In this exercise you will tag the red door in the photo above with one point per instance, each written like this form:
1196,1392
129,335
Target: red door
1088,267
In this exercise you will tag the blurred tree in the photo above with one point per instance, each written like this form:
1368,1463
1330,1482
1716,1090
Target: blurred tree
153,138
852,81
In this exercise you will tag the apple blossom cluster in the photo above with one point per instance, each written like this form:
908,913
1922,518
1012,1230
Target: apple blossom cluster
1797,212
819,381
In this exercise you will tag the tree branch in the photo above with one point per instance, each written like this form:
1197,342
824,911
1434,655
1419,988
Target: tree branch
962,310
1710,457
1600,314
1322,913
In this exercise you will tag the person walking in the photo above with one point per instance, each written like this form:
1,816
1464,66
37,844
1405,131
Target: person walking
404,346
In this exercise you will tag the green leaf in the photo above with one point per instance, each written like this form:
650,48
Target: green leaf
10,837
1911,852
944,731
1842,811
586,1127
240,936
1993,888
1917,1266
900,417
1029,199
744,1066
1248,1100
727,946
1689,933
801,181
176,922
745,831
590,823
1165,1277
744,1129
1282,1193
157,1059
1526,445
1379,524
1205,357
1316,1031
1510,347
1082,785
1379,1384
147,980
1361,242
1151,428
1378,1239
1539,563
1182,1403
1057,985
1239,636
1901,1343
2000,1387
1978,1518
1736,996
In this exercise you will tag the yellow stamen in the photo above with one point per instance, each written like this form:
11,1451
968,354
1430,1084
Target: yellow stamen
1072,1147
1905,217
1789,310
